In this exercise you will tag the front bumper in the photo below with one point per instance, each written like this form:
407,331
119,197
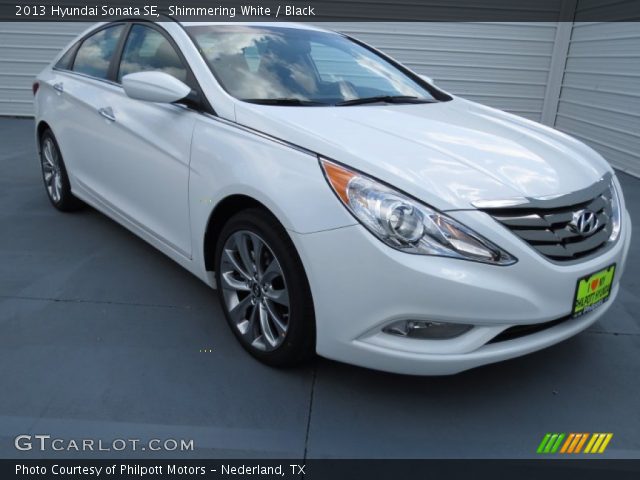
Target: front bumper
359,285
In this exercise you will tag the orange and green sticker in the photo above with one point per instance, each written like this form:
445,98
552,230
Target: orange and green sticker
574,443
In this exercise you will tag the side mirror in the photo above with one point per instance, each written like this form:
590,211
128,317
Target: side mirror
156,87
427,79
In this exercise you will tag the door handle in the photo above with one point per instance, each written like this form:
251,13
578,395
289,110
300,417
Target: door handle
107,112
58,87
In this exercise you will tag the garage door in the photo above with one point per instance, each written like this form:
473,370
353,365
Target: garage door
504,65
600,96
25,48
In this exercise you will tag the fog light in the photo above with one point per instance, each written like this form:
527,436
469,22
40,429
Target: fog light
426,330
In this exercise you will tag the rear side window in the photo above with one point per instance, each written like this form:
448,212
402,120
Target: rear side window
147,49
94,55
65,61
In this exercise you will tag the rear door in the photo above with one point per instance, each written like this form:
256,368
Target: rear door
144,167
81,84
129,155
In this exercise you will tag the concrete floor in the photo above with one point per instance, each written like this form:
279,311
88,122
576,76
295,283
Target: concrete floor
101,337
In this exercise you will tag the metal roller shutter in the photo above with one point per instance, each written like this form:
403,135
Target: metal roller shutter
600,96
25,48
504,65
583,78
500,64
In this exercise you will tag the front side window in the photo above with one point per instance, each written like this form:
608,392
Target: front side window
255,63
147,49
94,55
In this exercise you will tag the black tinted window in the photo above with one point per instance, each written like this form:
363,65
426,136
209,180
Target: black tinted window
95,53
147,49
65,61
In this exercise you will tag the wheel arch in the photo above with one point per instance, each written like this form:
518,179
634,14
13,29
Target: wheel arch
222,212
40,129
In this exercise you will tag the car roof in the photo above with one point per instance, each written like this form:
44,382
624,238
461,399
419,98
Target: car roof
299,26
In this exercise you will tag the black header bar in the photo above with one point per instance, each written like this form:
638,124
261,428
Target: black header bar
325,10
548,469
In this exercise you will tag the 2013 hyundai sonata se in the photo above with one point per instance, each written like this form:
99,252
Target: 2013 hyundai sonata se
341,203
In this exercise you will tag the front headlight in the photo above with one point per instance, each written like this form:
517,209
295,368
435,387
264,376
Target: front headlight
616,214
408,225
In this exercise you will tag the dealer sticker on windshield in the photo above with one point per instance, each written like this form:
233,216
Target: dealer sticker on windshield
593,290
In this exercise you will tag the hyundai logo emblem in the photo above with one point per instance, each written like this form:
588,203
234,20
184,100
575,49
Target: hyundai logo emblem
584,222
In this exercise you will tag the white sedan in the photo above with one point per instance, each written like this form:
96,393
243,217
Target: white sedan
341,203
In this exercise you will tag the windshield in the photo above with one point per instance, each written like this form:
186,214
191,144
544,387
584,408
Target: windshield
290,66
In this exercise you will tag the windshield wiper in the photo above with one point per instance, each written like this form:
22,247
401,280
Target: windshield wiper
383,99
282,101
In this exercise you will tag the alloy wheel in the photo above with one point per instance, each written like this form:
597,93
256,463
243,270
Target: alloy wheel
254,290
51,169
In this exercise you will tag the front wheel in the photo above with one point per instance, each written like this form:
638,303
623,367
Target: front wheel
264,290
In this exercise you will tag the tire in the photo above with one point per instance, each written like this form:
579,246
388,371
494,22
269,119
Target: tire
54,175
268,303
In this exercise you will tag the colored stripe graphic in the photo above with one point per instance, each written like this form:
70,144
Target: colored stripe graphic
543,443
567,442
591,442
581,442
607,439
598,443
550,443
573,443
556,445
578,439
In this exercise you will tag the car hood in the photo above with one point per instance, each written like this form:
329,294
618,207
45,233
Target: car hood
447,154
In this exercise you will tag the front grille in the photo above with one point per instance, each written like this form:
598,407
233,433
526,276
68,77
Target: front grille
550,230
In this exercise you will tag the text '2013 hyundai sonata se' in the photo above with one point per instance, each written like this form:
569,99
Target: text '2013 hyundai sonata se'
339,202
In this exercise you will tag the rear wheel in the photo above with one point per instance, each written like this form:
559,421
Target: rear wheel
264,290
54,175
